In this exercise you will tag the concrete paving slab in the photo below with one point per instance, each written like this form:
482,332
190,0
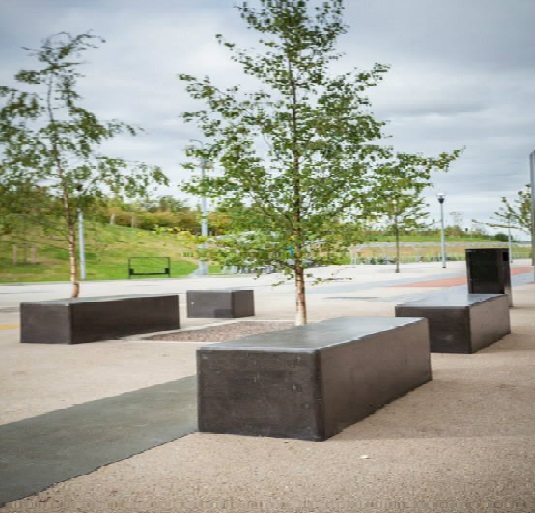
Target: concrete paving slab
464,443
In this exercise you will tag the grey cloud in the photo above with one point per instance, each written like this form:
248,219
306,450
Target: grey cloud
462,75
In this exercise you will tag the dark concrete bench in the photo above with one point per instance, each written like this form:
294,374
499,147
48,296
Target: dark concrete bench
79,320
310,382
225,303
463,323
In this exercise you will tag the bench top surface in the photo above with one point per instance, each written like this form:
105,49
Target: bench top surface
97,299
316,336
223,291
452,300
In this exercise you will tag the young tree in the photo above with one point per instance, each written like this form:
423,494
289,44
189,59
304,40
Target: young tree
517,213
49,139
302,152
404,211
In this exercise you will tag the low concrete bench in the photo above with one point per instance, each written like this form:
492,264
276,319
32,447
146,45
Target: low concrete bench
310,382
225,303
463,323
79,320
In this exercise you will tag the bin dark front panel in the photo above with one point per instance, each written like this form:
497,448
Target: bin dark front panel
310,382
223,304
463,323
488,271
79,320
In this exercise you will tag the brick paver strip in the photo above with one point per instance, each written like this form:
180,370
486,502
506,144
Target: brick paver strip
456,280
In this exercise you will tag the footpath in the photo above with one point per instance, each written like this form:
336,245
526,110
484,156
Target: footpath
110,426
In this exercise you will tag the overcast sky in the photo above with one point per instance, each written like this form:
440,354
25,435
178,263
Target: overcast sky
462,75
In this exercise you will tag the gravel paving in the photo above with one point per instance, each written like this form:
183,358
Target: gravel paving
224,332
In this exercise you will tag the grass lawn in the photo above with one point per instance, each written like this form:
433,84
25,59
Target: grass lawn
108,248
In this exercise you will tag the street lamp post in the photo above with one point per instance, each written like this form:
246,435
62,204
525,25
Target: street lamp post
396,229
441,197
205,165
532,181
509,239
81,244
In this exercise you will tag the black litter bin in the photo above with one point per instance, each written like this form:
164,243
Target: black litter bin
488,271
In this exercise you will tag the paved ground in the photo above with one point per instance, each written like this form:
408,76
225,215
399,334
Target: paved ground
463,443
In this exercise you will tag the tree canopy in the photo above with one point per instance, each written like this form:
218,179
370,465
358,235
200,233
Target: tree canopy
304,152
515,213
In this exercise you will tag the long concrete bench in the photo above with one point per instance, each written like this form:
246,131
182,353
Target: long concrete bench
310,382
79,320
220,303
462,323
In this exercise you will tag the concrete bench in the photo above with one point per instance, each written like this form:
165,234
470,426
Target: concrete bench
310,382
463,323
225,303
79,320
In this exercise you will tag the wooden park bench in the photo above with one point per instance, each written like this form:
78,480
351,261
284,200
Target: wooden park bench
149,266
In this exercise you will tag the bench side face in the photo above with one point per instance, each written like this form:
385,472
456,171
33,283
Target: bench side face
359,378
93,321
489,322
259,393
42,323
449,327
220,304
243,303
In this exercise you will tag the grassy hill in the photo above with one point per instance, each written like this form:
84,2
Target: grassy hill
108,248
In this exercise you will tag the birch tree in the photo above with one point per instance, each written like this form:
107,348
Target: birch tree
301,152
48,139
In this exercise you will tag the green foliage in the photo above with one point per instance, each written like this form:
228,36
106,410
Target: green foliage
49,141
303,154
516,213
501,237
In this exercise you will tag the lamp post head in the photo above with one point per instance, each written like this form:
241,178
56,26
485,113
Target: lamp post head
441,197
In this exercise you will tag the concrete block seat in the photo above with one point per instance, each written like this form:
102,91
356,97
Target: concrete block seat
310,382
90,319
462,323
222,303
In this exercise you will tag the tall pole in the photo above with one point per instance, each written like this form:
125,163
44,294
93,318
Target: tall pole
205,164
81,243
203,264
441,198
532,174
510,240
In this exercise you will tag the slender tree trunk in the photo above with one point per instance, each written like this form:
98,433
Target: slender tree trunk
300,297
73,263
71,242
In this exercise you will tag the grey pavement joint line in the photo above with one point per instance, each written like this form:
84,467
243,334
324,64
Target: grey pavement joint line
38,452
